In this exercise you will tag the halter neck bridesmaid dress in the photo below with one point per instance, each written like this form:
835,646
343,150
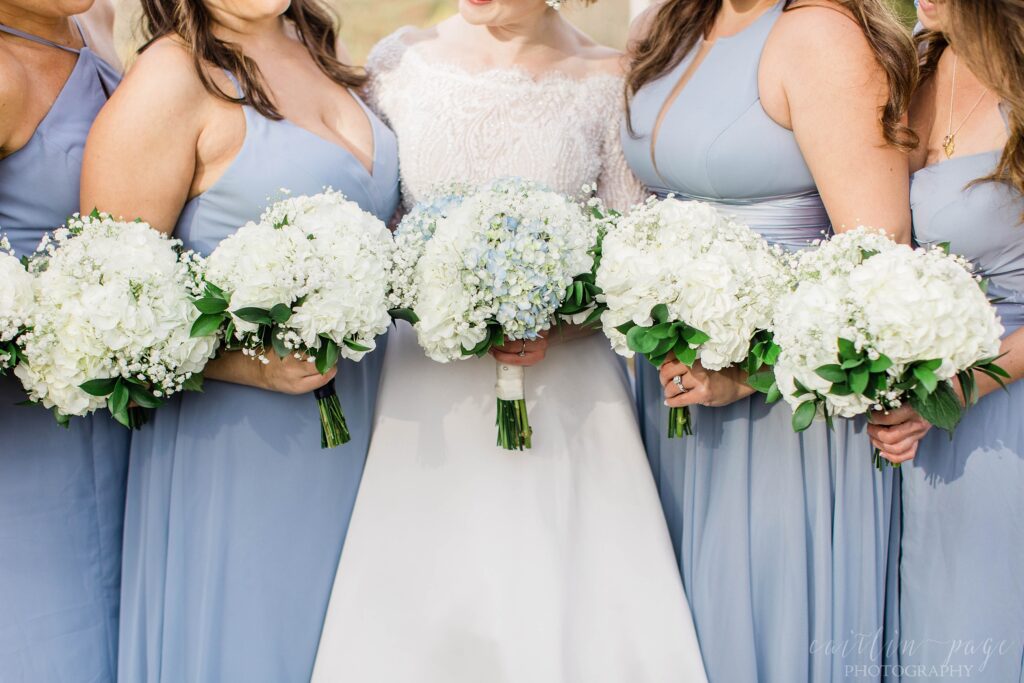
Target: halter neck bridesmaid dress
235,516
962,563
781,538
61,490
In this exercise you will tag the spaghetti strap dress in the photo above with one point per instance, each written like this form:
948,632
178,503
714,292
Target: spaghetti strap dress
235,515
61,490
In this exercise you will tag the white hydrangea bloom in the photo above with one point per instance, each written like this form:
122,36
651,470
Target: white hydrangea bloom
712,273
323,257
112,299
16,299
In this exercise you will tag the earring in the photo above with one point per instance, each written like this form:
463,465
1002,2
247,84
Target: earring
555,4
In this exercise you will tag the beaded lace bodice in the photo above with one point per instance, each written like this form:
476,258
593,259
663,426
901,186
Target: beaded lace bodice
454,125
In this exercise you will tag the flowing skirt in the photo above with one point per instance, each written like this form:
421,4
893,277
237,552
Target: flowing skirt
962,569
61,510
782,539
235,521
466,563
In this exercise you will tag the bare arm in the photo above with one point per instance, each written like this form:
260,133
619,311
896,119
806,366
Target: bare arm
140,157
140,162
820,78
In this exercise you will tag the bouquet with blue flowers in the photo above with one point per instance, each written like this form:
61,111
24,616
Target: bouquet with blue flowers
490,266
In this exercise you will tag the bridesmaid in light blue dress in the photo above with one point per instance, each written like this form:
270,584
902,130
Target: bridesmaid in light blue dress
235,516
962,564
61,490
782,539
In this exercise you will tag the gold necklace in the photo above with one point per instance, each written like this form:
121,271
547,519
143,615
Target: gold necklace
949,142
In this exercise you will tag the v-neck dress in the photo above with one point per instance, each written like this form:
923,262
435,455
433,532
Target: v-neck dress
235,516
61,490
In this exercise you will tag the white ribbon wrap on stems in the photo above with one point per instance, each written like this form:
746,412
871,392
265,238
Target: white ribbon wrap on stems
511,382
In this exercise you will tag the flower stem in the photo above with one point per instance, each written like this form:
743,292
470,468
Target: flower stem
333,428
514,431
876,457
679,423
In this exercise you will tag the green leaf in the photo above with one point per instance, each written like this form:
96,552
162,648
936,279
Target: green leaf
194,383
804,415
99,387
624,328
942,407
406,314
206,325
694,337
277,343
280,314
831,373
327,356
660,313
859,379
880,364
841,389
213,291
117,402
663,347
641,340
762,382
661,331
685,355
256,316
142,397
773,395
847,349
800,388
355,346
771,356
852,363
211,304
926,377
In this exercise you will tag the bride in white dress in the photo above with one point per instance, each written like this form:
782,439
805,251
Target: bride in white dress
465,563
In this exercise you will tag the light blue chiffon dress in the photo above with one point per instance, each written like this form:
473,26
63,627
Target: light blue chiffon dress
61,490
962,565
235,516
782,538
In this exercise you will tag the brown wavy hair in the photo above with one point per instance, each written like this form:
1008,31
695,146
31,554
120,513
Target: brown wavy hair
989,35
192,22
679,24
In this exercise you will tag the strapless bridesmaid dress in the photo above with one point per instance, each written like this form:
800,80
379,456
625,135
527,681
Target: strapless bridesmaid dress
61,490
962,565
235,515
782,538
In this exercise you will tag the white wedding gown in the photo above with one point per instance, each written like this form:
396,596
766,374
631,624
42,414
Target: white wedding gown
465,563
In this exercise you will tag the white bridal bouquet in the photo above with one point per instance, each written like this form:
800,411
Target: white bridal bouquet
309,279
678,277
15,305
497,264
872,324
113,312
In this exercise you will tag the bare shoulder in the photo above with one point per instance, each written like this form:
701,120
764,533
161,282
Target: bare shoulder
820,34
641,26
166,70
163,88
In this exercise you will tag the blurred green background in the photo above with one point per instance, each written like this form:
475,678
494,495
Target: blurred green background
364,22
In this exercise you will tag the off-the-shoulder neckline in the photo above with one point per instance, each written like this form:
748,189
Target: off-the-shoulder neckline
515,74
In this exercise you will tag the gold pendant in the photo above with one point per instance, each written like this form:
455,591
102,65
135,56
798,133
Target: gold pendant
949,146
